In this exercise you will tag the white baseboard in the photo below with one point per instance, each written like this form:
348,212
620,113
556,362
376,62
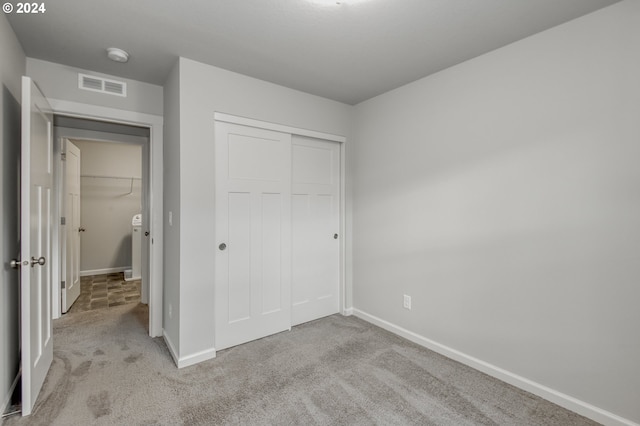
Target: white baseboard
7,399
128,275
192,359
559,398
103,271
347,312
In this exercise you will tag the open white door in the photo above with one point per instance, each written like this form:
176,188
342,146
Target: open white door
71,273
36,223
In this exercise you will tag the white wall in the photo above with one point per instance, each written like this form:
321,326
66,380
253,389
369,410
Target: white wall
204,90
61,82
12,68
105,208
503,195
171,247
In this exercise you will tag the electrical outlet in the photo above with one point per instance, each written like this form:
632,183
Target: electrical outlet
407,302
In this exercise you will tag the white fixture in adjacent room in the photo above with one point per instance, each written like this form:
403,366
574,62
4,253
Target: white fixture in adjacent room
136,246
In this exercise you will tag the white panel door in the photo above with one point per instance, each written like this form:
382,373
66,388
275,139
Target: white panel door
253,233
315,229
72,214
35,236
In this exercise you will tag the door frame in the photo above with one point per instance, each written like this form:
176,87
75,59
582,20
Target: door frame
234,119
155,196
64,135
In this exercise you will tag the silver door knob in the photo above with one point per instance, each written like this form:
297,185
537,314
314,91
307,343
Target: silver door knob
16,263
335,236
40,261
146,233
81,229
222,246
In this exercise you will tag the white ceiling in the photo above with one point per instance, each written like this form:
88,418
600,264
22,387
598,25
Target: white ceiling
349,52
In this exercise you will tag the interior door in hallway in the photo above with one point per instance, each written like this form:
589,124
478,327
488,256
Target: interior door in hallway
253,233
35,242
71,273
315,228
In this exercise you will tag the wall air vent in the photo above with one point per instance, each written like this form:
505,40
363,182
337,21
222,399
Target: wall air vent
102,85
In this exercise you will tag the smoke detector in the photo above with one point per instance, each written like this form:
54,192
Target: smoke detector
117,55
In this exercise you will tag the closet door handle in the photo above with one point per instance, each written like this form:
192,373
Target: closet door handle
222,246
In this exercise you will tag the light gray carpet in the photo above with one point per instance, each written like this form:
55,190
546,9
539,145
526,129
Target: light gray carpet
333,371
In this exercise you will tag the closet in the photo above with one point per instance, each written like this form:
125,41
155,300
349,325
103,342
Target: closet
277,225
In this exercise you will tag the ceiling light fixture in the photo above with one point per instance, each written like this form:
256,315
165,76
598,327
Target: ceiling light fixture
117,55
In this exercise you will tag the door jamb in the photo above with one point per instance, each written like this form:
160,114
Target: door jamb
155,124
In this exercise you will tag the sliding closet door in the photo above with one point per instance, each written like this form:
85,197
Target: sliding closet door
315,228
253,233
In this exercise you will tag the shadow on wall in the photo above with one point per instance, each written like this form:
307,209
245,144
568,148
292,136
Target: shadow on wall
123,252
9,290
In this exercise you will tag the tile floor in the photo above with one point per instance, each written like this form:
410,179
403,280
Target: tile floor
103,291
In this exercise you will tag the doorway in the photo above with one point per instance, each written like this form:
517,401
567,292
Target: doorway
40,221
103,183
102,230
85,122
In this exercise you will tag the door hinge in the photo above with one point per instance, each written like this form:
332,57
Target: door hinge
63,156
63,220
64,285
